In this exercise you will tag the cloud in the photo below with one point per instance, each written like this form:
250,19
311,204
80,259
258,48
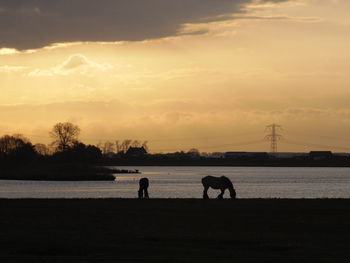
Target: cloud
75,64
8,51
166,123
31,24
9,69
279,17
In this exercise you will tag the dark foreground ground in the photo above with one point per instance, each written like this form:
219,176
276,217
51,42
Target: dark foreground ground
174,230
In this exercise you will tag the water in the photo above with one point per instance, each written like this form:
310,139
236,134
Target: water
185,182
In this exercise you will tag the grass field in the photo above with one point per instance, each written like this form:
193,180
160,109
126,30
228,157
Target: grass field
174,230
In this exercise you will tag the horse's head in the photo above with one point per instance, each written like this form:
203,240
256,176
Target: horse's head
233,193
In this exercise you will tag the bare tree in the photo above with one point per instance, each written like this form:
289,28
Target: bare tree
42,149
100,145
21,137
108,147
117,147
194,150
10,143
194,153
64,135
145,146
125,145
136,143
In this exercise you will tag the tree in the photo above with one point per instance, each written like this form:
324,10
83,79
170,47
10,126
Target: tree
193,153
125,145
108,147
10,144
65,135
79,152
16,148
117,147
42,149
145,146
136,144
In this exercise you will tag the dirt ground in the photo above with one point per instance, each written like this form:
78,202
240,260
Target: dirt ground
174,230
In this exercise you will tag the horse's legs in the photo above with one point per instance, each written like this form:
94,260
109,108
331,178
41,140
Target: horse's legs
146,193
221,195
140,193
205,192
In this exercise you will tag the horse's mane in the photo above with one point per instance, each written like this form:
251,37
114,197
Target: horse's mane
227,180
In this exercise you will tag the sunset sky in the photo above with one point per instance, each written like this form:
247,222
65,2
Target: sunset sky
206,74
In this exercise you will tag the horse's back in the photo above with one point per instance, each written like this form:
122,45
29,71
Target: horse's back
216,182
226,179
212,181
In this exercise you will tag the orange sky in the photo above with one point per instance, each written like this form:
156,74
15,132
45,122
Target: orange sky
214,84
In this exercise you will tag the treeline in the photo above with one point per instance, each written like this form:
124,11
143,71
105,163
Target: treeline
21,160
121,147
17,151
65,147
66,158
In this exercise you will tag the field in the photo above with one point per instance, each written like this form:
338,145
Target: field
174,230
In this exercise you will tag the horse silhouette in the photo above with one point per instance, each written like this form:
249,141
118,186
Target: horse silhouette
221,183
143,192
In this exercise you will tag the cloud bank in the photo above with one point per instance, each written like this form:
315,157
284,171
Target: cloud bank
31,24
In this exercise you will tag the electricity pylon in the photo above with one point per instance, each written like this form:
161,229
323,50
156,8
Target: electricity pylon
273,137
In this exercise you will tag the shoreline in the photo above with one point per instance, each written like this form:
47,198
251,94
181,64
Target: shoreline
224,165
176,199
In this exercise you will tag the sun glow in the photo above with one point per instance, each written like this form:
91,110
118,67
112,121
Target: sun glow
222,79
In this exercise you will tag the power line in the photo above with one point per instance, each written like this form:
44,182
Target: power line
273,137
84,137
237,144
222,145
315,145
318,135
200,137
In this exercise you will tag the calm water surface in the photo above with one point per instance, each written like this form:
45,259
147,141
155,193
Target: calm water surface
185,182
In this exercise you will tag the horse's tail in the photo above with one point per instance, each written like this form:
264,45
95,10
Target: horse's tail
205,180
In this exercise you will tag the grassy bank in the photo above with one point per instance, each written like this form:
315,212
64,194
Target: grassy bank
174,230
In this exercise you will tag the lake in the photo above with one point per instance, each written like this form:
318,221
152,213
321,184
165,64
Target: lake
185,182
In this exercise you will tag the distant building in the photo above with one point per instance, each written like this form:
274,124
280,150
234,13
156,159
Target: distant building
288,155
320,155
216,155
136,151
344,155
233,155
110,155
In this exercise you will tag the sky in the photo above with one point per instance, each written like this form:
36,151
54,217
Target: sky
206,74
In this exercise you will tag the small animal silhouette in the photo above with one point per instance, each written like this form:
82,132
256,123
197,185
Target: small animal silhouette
221,183
143,192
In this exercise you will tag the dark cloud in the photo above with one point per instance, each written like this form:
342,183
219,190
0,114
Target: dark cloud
29,24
